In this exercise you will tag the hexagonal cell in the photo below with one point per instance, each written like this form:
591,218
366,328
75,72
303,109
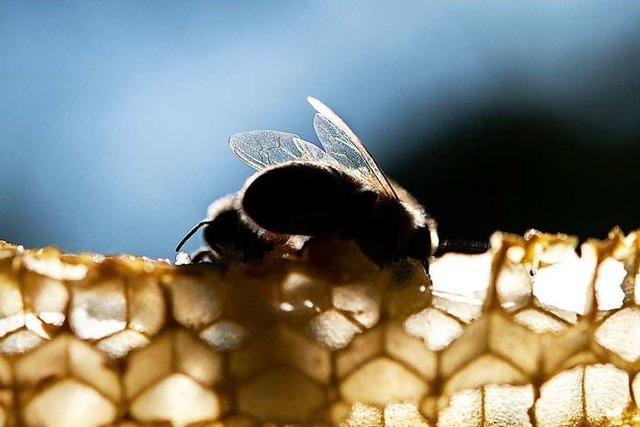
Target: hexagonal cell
515,343
606,392
66,356
48,262
176,351
177,399
196,299
619,335
539,322
546,249
358,415
70,379
608,284
472,343
581,358
513,281
361,349
392,415
460,284
225,335
332,329
304,294
68,403
498,334
255,296
99,309
566,283
139,373
437,329
31,310
465,409
19,342
506,404
589,395
559,348
120,344
381,381
410,350
252,357
403,414
122,310
282,345
493,405
282,395
484,370
46,298
146,304
293,348
360,301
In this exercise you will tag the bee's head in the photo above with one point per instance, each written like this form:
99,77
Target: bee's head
223,227
220,214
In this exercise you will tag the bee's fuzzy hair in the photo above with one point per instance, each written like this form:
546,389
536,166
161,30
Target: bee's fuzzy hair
420,216
226,202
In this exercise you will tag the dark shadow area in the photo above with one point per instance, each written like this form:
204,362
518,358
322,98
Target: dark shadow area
515,168
570,163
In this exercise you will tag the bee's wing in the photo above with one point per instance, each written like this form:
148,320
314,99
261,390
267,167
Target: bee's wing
262,148
343,145
313,153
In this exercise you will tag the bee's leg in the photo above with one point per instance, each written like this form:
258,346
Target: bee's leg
462,246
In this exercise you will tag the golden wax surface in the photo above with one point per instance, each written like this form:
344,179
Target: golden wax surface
527,334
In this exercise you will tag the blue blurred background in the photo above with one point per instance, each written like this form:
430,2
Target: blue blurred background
114,116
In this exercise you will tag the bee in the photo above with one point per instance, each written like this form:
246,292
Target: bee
302,190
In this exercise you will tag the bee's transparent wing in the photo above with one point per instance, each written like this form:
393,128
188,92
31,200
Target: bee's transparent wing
343,145
313,153
262,148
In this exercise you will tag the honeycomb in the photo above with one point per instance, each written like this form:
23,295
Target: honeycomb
528,333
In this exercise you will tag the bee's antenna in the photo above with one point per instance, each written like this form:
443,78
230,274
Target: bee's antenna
191,233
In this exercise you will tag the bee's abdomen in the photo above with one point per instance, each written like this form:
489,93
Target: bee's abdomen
298,198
